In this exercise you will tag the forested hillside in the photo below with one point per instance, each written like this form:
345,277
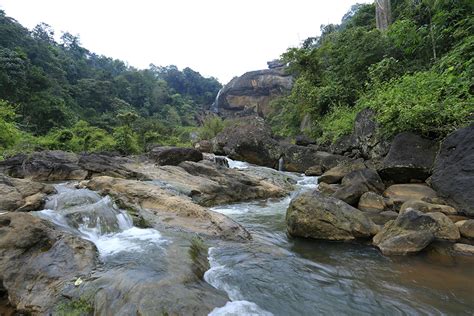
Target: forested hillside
62,96
417,75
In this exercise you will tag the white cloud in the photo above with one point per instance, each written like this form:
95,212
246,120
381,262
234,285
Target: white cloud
221,38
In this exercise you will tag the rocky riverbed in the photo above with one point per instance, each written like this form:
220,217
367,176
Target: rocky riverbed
180,232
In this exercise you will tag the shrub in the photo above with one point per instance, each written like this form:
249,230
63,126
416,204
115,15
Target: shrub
211,126
427,103
126,140
337,123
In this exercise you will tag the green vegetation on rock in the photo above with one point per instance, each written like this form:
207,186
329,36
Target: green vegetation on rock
417,75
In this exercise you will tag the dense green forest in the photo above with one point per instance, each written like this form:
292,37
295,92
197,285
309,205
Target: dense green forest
417,75
62,96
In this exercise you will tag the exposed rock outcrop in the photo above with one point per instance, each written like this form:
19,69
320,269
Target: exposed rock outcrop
56,165
52,165
426,207
411,157
22,195
166,209
208,184
164,155
37,261
314,215
252,92
453,173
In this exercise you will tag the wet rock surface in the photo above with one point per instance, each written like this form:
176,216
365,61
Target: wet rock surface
22,195
165,209
37,261
314,215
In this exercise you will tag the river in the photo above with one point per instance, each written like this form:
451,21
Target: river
275,274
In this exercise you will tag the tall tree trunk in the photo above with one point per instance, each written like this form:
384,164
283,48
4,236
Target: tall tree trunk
383,14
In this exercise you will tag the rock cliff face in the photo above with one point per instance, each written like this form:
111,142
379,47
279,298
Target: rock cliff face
252,92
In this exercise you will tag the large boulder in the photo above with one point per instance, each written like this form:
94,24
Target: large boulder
300,158
413,230
37,262
453,173
426,207
335,175
411,157
104,164
466,228
48,165
365,140
314,215
401,193
164,155
22,195
248,139
357,183
252,92
209,184
165,208
56,165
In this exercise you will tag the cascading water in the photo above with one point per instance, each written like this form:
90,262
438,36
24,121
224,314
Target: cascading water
275,274
215,105
95,218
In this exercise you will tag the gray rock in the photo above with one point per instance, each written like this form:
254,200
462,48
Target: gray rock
372,202
400,193
412,231
37,261
174,155
316,216
52,165
426,207
467,228
453,173
411,157
22,195
357,183
252,92
335,175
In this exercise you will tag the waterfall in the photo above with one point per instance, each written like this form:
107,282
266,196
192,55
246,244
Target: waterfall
215,105
280,164
86,214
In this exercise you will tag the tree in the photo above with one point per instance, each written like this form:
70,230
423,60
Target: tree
383,14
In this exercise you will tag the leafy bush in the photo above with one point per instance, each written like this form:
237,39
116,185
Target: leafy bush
126,140
211,126
9,133
426,102
337,123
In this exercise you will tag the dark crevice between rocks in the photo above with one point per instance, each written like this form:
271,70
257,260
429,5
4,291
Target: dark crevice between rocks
6,308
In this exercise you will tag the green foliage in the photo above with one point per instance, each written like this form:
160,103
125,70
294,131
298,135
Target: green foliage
126,140
211,126
427,103
9,133
81,306
55,85
337,123
417,75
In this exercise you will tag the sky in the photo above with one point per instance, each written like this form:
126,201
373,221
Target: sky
219,38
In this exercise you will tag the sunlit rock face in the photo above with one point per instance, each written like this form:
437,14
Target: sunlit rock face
253,92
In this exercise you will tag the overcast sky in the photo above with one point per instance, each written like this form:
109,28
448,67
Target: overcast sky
220,38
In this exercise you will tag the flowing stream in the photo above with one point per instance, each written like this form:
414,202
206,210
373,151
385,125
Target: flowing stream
274,274
278,275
